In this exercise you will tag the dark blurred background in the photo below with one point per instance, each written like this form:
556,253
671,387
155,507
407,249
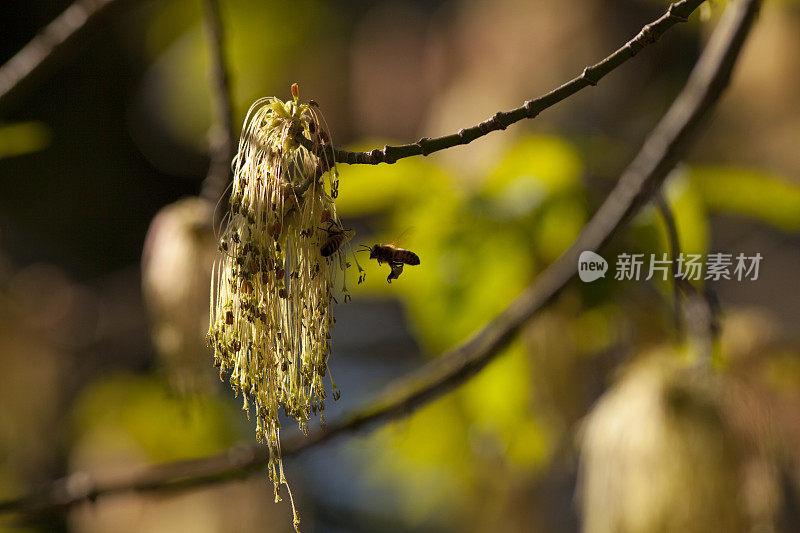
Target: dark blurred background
98,142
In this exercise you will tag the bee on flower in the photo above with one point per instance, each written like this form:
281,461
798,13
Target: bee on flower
274,279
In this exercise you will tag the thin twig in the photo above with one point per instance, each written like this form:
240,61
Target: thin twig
690,306
700,316
662,149
675,249
222,141
49,43
677,12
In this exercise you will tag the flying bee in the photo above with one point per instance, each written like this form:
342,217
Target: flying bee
389,253
396,257
336,237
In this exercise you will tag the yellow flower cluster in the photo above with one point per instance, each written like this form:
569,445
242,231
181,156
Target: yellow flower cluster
273,281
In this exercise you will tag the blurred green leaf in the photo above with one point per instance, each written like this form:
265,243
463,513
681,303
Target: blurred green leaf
538,183
689,211
499,401
535,166
560,224
165,426
767,197
427,458
23,138
259,46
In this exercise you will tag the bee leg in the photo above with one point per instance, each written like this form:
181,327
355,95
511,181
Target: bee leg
397,269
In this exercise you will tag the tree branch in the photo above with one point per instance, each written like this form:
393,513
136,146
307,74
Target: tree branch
51,41
222,142
677,12
665,145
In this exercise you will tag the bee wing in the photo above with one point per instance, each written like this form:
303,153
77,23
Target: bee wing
403,234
